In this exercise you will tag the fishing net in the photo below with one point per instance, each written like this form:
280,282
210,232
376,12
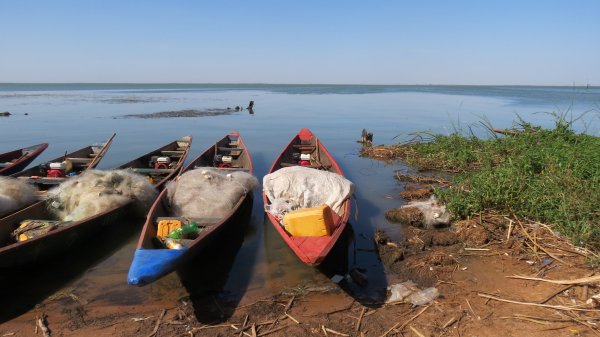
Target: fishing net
96,191
208,192
15,194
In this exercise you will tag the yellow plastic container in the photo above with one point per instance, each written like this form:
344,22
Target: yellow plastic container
167,226
314,221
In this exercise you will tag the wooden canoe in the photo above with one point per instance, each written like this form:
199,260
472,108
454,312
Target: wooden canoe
15,254
83,159
151,260
177,151
17,160
310,250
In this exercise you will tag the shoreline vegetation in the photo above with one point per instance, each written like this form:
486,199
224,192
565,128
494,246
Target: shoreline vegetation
549,176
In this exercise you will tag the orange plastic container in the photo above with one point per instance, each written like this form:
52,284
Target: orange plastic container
166,226
314,221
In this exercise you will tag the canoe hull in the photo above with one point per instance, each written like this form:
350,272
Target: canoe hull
22,158
310,250
151,263
13,255
59,241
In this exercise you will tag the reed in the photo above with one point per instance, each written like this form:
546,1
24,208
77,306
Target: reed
546,175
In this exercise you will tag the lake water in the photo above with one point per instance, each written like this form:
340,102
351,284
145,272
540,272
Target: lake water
256,263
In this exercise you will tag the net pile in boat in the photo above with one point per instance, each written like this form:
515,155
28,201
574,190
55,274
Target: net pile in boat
208,193
96,191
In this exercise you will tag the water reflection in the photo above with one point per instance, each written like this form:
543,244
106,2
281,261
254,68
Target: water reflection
205,277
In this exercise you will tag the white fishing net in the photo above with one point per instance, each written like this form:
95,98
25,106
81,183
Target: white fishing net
15,194
302,187
208,193
96,191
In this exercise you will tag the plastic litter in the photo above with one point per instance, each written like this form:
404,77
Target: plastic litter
409,292
278,208
337,278
424,296
434,212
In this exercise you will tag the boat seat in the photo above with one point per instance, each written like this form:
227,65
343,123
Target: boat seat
204,222
92,155
174,154
43,180
76,160
151,170
233,168
324,167
226,149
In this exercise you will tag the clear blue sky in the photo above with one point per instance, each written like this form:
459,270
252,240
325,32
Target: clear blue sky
322,41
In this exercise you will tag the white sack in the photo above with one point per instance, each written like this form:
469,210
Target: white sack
208,193
15,194
95,191
303,187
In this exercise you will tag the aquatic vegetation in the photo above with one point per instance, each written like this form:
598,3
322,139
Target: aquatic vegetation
546,175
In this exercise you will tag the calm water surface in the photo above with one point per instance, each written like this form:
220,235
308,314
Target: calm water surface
256,263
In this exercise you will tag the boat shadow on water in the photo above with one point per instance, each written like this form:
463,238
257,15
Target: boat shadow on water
206,276
23,288
353,261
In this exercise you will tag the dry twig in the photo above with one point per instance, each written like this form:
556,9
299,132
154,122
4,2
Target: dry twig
405,323
584,280
557,307
362,314
162,314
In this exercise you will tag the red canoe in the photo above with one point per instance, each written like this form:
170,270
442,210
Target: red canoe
311,250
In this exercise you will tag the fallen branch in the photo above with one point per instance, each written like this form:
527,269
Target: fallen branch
539,246
557,307
584,280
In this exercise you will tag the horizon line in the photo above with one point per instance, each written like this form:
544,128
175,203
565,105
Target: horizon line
587,85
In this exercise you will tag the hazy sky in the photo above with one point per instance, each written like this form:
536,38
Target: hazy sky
323,41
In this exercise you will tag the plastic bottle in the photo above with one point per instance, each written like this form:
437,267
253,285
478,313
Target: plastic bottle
183,231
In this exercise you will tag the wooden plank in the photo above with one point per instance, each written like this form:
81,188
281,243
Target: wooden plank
151,170
44,180
79,160
224,148
172,153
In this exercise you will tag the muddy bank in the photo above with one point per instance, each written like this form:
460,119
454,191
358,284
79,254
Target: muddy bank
186,113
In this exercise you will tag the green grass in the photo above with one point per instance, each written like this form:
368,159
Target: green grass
551,176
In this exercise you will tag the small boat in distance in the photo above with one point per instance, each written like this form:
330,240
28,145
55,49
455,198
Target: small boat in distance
17,160
311,250
52,173
151,259
14,254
